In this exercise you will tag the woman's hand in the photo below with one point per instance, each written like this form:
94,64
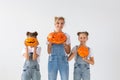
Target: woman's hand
49,47
67,47
50,44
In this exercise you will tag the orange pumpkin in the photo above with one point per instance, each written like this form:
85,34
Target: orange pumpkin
83,51
56,37
31,41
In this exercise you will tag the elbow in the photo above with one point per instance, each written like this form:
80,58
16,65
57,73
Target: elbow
49,52
68,52
92,63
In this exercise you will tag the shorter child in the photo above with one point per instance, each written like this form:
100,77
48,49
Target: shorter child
81,65
31,55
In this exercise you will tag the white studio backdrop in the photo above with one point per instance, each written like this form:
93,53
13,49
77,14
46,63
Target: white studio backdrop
101,18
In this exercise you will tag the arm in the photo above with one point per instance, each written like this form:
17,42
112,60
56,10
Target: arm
67,47
26,55
90,61
49,46
71,56
73,53
35,55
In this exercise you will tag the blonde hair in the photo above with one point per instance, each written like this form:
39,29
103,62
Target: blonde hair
59,18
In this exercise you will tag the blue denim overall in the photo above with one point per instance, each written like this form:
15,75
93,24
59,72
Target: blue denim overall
58,62
81,69
31,69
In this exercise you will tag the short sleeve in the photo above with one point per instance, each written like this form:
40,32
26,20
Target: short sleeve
90,53
38,51
23,51
74,49
68,39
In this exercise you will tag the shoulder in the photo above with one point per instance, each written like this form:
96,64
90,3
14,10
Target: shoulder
91,54
89,48
38,47
74,48
67,34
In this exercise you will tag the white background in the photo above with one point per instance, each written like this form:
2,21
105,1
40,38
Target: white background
101,18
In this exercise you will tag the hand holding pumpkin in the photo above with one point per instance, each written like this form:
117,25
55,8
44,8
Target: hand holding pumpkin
84,58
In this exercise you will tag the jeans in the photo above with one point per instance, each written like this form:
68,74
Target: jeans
31,70
58,62
81,69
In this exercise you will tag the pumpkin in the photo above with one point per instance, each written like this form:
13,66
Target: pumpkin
31,41
56,37
83,51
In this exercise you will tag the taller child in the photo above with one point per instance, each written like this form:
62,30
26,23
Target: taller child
58,52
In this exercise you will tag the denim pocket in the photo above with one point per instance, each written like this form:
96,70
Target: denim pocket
37,67
24,70
75,65
88,68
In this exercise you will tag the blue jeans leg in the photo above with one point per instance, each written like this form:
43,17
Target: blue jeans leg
64,70
52,70
77,73
26,75
36,75
86,74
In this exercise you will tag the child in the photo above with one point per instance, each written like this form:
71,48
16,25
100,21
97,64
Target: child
81,66
58,54
31,55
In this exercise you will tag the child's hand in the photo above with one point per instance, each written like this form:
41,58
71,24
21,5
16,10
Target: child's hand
85,58
35,56
90,61
37,43
26,45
